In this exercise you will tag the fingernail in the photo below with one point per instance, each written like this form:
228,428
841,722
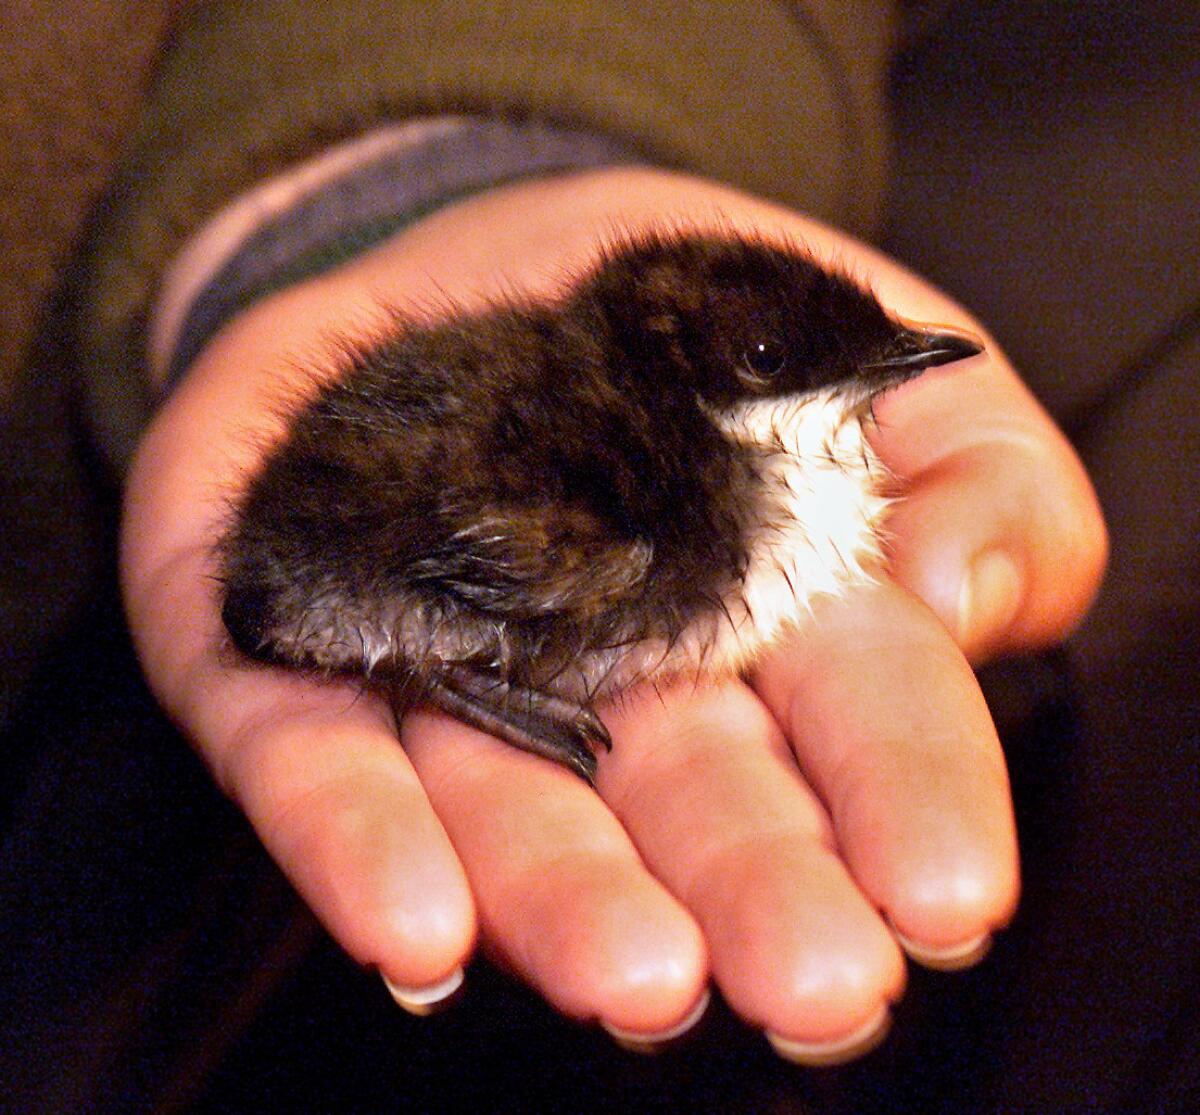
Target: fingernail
989,597
823,1054
425,1000
637,1041
948,959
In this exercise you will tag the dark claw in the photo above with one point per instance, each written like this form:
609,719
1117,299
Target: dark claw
592,728
540,723
582,762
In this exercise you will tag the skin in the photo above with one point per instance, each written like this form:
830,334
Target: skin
779,835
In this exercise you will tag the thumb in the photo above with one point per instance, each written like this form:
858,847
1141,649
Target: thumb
999,530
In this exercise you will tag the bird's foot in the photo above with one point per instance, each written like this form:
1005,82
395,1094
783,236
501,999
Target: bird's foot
538,722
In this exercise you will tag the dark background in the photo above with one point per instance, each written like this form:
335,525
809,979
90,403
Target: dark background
153,959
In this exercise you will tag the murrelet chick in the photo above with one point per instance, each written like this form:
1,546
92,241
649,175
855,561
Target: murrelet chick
510,514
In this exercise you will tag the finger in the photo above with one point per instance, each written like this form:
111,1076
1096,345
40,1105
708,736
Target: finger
320,774
999,530
563,897
703,781
890,728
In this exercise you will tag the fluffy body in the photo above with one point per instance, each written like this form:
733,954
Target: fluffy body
652,476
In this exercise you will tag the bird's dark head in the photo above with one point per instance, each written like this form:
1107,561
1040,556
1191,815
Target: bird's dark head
739,319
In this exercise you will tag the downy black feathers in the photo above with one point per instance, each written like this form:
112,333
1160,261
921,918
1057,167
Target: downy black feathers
509,513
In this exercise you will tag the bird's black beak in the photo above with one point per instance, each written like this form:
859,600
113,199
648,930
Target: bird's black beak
915,349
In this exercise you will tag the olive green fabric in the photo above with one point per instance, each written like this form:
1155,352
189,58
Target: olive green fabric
783,99
72,77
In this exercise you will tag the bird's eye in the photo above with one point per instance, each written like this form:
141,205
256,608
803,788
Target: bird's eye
764,359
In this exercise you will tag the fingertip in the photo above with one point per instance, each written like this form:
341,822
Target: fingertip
946,913
813,972
843,1013
425,999
418,930
952,548
990,596
840,987
1006,561
639,964
652,1041
947,958
856,1043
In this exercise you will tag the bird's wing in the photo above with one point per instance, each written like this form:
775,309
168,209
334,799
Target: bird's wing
531,561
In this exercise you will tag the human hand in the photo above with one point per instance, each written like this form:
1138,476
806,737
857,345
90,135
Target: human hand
779,834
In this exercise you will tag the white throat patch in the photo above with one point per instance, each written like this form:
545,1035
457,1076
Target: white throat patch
815,530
